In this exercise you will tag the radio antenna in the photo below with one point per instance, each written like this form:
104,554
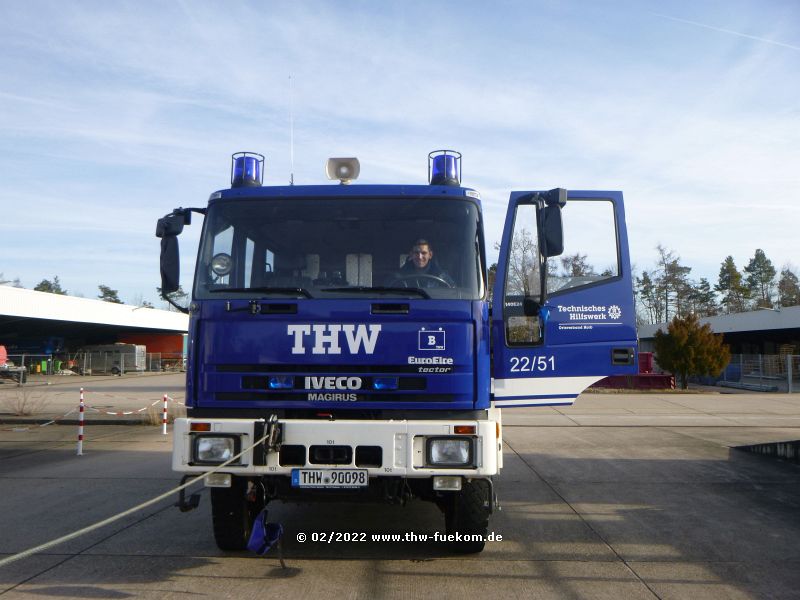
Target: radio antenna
291,131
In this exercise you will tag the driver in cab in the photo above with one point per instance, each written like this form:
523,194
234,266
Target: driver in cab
423,269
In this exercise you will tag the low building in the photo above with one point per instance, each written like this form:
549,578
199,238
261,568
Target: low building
47,324
764,331
764,344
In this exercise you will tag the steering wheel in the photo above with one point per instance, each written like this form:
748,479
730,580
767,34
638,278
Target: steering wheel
404,280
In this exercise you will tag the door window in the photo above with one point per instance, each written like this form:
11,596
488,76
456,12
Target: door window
590,256
590,246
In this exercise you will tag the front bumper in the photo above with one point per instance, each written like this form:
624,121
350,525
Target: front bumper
401,443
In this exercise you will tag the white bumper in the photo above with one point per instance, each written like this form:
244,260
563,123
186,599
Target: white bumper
403,445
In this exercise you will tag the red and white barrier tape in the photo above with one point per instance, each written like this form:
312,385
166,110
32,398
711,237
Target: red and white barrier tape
120,413
83,407
166,399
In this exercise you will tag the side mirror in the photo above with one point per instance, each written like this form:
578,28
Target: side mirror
170,264
168,229
171,225
551,240
551,233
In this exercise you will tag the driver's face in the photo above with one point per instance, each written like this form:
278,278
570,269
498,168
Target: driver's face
421,256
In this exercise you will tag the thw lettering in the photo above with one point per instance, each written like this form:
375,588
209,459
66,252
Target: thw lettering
325,339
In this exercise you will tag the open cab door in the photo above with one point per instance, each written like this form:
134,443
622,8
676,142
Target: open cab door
563,315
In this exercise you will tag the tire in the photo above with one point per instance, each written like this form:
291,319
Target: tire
233,515
467,513
115,371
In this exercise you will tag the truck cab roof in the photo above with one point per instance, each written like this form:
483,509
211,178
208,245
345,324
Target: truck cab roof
338,190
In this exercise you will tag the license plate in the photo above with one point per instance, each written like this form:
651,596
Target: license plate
330,478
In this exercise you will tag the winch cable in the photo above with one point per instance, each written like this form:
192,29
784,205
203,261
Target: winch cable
24,554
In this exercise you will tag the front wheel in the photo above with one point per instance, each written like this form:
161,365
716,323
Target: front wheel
467,515
233,514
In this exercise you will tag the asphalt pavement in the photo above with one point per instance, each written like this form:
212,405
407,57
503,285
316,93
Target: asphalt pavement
620,496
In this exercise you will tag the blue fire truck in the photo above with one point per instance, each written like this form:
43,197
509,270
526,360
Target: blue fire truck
352,329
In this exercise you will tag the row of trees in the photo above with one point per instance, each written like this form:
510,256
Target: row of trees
106,293
667,290
53,286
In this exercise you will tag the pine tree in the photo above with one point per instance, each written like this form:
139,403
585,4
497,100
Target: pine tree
109,295
760,279
788,288
51,287
702,299
734,293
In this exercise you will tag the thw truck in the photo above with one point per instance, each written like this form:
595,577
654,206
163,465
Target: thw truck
353,327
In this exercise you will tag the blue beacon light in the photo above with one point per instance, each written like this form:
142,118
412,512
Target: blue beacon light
247,169
444,167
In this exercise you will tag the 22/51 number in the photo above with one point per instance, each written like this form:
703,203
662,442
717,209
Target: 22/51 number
527,364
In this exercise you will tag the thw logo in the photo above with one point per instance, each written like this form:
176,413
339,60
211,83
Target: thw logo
327,338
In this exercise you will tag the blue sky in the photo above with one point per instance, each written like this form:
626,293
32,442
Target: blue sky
113,113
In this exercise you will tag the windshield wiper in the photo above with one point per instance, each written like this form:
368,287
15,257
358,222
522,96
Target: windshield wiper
297,291
366,290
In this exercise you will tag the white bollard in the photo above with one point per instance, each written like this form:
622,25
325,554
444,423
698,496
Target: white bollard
80,426
164,417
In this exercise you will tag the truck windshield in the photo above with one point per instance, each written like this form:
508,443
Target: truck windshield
340,248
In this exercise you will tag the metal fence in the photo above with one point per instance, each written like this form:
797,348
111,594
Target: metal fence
768,372
34,363
97,363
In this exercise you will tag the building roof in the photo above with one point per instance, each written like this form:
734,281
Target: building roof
757,320
29,304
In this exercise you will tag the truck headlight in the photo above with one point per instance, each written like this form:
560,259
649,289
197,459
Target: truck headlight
215,449
450,452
